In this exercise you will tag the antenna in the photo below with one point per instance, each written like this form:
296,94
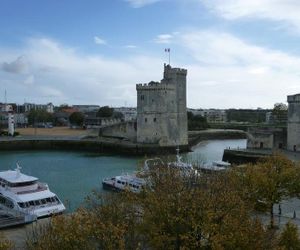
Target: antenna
5,98
168,50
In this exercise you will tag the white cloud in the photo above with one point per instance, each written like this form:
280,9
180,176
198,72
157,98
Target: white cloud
99,40
141,3
276,10
230,72
164,38
60,74
223,71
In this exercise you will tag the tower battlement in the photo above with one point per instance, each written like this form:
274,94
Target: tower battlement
293,98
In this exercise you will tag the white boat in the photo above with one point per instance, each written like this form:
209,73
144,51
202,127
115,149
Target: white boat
215,166
26,194
128,182
186,169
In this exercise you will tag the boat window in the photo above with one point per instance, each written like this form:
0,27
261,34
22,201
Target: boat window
22,184
37,202
57,200
119,182
52,199
48,199
31,203
21,204
2,200
44,201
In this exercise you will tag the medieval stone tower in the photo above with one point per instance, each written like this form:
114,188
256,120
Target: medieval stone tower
293,132
161,109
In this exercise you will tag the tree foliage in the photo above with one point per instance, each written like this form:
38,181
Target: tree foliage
5,244
76,118
246,115
173,212
39,115
280,112
268,182
289,238
196,122
105,111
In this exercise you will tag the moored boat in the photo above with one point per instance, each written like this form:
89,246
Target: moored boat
128,182
26,194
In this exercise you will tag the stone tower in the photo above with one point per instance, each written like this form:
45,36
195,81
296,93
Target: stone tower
293,132
161,109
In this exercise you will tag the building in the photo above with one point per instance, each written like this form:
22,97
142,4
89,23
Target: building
267,138
29,106
128,113
211,115
161,109
86,108
293,125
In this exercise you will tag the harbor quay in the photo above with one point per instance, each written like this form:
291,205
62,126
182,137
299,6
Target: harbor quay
109,144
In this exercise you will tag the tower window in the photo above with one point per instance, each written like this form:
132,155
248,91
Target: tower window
142,97
145,119
154,119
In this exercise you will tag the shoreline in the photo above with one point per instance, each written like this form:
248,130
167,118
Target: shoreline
108,144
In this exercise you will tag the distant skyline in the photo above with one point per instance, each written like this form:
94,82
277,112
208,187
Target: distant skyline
238,53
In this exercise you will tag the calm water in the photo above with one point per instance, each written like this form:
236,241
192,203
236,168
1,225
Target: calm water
72,175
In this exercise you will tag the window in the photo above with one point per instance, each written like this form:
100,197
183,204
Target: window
21,204
154,119
142,97
145,119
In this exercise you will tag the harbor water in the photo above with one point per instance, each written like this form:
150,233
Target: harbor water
73,175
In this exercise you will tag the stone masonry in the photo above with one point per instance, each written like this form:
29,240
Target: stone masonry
161,109
293,141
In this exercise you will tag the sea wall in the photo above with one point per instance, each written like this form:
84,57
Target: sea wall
104,145
215,134
111,145
244,156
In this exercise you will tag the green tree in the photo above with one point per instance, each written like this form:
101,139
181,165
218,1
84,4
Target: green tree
269,182
76,118
279,113
172,212
39,115
5,244
196,122
105,111
118,115
289,238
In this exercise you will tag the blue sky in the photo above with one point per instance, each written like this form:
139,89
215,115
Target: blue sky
238,53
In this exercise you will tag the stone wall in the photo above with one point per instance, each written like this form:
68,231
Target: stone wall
293,140
125,130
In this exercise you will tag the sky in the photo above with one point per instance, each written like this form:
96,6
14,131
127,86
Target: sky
238,53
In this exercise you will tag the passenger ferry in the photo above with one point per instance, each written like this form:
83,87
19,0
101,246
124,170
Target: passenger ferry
124,182
26,194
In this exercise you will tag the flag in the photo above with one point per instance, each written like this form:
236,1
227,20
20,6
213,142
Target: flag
167,50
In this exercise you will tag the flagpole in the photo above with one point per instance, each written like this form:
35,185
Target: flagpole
169,57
